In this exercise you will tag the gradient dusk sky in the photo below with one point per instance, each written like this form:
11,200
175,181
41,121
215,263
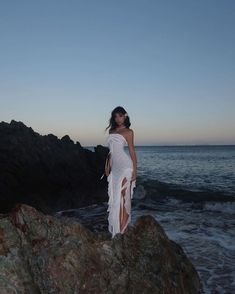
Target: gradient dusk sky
65,65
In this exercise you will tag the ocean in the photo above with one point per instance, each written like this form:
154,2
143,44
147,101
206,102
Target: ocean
190,191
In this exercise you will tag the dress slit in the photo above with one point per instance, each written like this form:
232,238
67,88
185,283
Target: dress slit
123,202
116,201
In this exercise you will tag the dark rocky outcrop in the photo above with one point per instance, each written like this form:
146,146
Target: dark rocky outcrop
44,254
46,172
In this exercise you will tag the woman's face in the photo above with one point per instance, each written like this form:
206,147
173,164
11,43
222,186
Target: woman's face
119,118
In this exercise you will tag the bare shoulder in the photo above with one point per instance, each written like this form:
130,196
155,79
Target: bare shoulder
130,135
130,132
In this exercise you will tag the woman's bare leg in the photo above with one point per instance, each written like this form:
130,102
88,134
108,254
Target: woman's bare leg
123,214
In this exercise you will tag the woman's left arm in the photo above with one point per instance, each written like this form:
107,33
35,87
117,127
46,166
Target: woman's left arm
130,141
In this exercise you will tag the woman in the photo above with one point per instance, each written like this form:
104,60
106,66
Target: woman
120,170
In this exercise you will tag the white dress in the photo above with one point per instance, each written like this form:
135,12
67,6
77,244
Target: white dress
121,167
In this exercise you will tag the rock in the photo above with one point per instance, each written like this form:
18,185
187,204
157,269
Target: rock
44,254
46,172
67,139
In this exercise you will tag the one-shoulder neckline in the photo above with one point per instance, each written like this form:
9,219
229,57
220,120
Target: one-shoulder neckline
119,135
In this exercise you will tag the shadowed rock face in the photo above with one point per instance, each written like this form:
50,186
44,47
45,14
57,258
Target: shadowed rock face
44,254
46,172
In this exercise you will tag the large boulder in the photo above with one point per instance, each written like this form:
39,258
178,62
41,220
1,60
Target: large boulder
46,172
45,254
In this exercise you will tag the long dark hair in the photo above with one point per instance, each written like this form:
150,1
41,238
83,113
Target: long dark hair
112,124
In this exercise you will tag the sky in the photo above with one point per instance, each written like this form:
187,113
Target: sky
65,65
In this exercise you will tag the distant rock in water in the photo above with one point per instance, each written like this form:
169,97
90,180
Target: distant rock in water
45,254
46,172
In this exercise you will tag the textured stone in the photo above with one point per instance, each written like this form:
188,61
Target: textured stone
43,254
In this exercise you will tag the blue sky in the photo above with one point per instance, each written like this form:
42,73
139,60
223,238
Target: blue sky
65,65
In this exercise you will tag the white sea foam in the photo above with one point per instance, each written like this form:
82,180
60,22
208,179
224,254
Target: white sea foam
226,207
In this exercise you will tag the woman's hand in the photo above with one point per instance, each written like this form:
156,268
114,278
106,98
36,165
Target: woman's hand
133,177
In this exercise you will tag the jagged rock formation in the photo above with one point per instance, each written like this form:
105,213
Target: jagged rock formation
44,254
46,172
